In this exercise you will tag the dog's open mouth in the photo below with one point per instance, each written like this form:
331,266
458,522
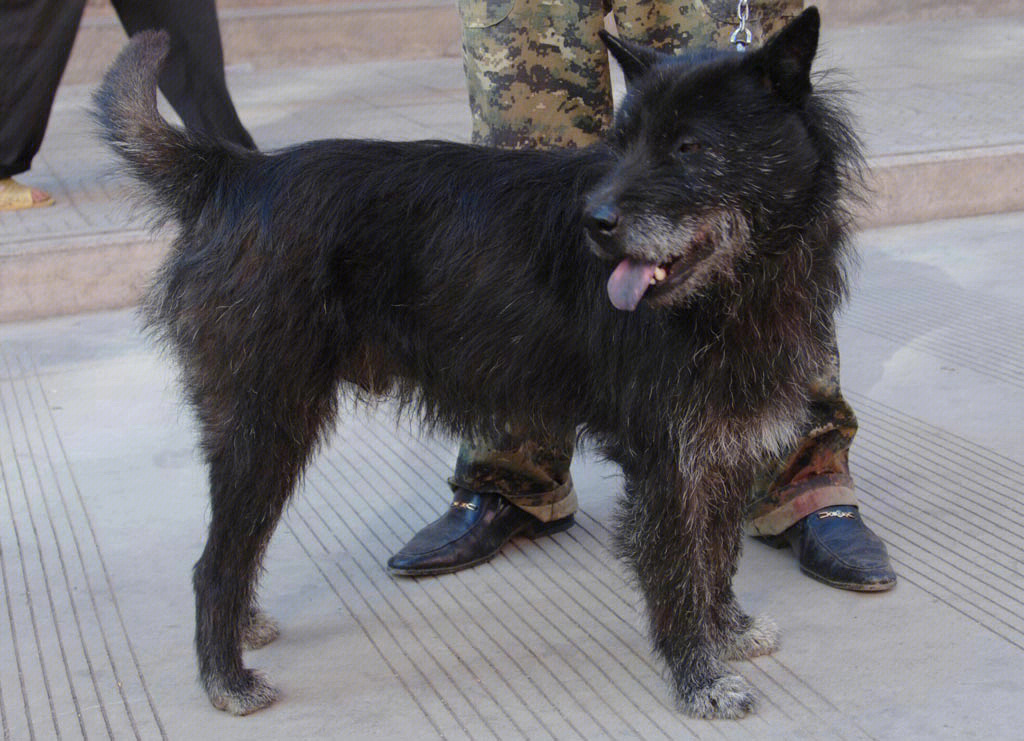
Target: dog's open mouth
633,279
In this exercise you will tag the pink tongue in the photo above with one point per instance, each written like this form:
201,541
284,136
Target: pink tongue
628,282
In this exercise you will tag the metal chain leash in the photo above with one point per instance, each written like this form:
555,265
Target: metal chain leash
742,13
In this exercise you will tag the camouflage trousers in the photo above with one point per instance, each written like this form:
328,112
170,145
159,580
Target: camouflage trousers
539,76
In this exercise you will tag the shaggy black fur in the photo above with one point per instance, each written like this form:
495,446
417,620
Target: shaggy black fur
463,281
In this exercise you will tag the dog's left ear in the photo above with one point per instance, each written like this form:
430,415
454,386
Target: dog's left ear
634,59
784,63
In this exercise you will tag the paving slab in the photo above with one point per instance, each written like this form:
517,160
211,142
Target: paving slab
104,506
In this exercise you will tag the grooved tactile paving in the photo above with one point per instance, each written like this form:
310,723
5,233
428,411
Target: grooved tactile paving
68,666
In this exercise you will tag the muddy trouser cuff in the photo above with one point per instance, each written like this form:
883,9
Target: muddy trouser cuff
562,503
533,476
802,499
547,507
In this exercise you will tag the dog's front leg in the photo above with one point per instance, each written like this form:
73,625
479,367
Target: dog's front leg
681,536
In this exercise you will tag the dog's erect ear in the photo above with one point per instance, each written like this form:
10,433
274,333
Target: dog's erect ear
633,58
785,61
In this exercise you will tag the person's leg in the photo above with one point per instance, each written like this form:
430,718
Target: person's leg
678,25
538,76
807,500
531,474
193,76
816,473
537,72
503,487
35,42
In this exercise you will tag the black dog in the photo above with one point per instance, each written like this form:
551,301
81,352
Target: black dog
473,285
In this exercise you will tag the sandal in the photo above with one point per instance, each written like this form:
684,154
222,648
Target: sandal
15,196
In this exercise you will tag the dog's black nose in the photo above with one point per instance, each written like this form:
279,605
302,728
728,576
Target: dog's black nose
602,219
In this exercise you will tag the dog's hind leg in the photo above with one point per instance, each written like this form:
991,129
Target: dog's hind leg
244,513
257,441
682,540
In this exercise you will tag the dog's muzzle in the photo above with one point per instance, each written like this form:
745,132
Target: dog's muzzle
630,279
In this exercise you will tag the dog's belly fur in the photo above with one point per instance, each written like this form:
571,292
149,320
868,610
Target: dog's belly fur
463,282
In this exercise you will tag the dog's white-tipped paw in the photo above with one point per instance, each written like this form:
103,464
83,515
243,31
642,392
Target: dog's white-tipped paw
728,697
252,694
760,639
259,631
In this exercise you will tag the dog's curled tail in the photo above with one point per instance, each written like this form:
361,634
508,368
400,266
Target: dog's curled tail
165,158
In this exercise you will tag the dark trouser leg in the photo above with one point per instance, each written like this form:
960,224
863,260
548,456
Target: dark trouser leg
193,78
35,40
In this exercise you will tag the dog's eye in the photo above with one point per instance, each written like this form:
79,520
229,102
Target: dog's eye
689,146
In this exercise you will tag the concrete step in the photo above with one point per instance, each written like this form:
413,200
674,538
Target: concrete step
945,184
882,12
937,102
268,33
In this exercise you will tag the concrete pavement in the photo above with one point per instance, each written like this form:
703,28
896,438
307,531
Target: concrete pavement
104,508
103,503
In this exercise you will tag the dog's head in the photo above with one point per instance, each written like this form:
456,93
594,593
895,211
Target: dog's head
710,149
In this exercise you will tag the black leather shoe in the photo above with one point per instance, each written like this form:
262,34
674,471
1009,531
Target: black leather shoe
836,547
472,531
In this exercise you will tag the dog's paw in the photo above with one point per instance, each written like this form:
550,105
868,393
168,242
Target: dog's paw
259,631
247,696
760,639
729,696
